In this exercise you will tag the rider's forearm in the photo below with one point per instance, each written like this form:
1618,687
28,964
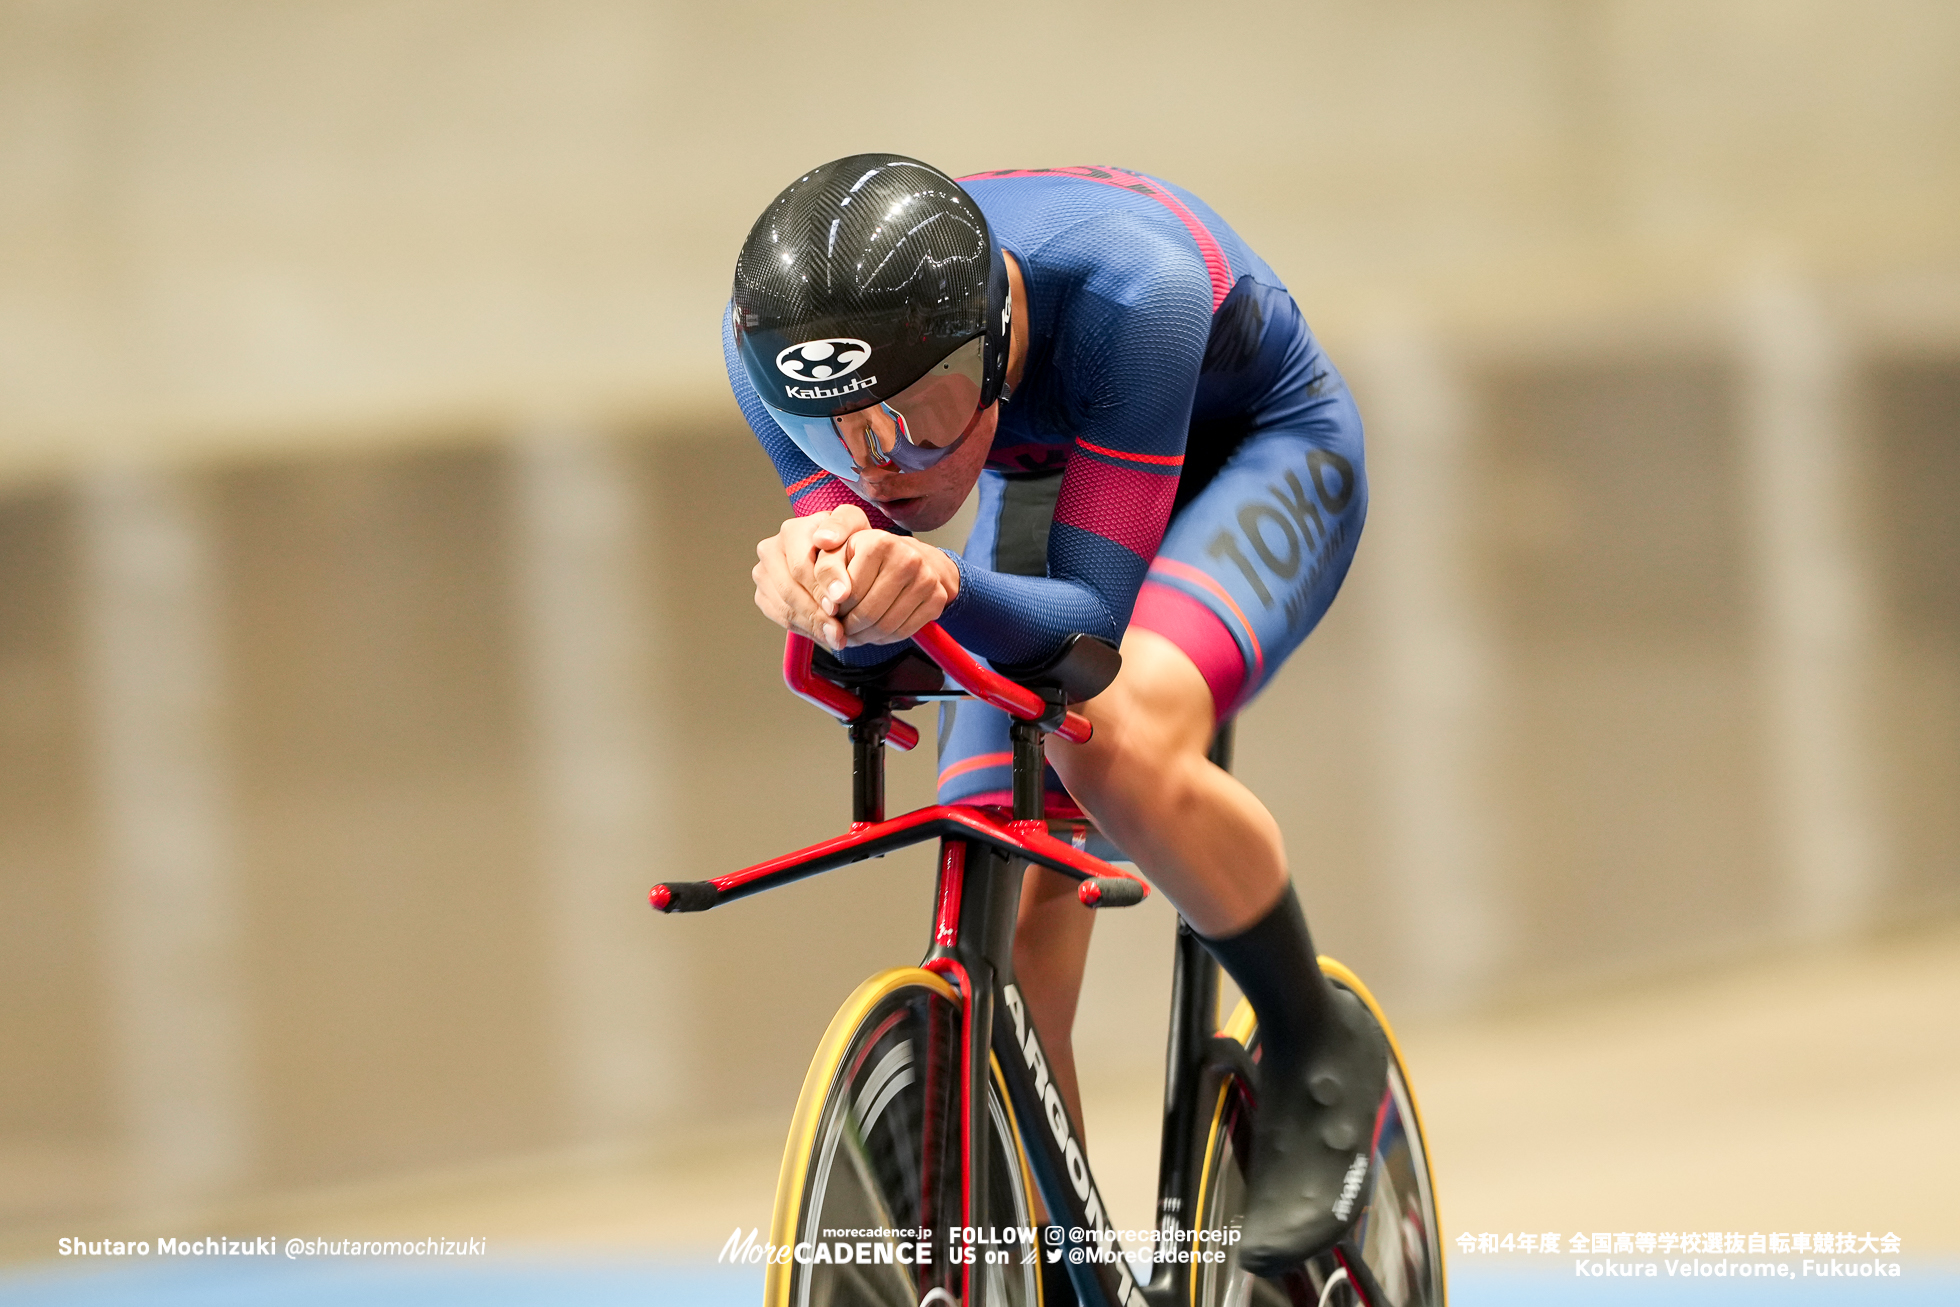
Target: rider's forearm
1022,619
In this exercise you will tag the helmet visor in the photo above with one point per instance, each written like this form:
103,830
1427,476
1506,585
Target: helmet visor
909,432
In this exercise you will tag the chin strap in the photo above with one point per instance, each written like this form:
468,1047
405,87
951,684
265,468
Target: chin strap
1007,342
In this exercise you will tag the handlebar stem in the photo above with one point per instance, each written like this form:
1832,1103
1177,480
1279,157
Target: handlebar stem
1030,770
868,732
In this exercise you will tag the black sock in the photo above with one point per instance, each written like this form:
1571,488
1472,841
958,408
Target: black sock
1274,963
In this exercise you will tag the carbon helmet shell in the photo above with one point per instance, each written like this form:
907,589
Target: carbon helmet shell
860,277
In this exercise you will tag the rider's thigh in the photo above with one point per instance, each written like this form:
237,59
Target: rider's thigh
1250,565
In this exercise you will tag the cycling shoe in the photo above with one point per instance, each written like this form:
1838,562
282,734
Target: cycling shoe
1323,1072
1313,1140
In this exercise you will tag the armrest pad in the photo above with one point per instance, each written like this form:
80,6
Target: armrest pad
1082,668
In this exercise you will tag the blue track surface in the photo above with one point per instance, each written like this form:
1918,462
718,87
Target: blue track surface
657,1284
379,1283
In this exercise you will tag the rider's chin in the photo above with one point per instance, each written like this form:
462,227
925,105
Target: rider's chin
906,510
923,514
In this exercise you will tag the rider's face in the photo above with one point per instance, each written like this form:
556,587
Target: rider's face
923,501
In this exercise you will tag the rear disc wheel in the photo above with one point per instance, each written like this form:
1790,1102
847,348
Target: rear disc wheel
1397,1234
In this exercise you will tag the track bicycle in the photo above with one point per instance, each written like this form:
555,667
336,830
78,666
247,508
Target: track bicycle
928,1119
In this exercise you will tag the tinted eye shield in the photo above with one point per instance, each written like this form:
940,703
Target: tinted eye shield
909,432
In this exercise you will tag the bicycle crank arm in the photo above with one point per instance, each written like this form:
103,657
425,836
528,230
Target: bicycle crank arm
1025,839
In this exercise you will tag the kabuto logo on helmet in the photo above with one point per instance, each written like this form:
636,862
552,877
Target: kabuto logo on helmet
821,360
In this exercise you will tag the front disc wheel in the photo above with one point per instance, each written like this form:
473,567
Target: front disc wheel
871,1187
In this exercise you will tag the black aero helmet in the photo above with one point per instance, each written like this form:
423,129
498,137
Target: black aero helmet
865,276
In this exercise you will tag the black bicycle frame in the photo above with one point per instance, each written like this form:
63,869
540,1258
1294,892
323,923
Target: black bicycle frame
981,867
983,885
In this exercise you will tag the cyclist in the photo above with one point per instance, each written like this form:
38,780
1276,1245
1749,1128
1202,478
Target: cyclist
1166,458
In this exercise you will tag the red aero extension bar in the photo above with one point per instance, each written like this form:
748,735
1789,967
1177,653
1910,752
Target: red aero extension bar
1102,885
982,683
990,686
803,681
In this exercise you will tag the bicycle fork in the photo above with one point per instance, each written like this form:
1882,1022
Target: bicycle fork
978,898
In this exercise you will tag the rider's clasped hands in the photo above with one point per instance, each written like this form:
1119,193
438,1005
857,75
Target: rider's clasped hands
841,581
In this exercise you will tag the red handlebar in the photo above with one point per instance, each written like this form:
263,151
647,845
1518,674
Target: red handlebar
981,682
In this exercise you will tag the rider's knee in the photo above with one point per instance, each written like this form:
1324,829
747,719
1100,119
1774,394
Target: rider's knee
1164,688
1158,708
1142,767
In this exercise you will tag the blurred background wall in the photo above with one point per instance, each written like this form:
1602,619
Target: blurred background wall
375,528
